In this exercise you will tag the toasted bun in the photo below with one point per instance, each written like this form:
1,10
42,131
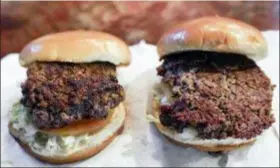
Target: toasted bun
117,121
78,156
213,145
213,33
76,47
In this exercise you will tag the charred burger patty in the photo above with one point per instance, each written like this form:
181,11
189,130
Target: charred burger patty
58,94
220,95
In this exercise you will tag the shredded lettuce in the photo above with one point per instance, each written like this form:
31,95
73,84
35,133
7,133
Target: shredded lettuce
41,138
61,142
28,118
16,110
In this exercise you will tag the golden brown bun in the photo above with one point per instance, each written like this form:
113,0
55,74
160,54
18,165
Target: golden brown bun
216,148
76,47
117,121
216,34
206,146
78,156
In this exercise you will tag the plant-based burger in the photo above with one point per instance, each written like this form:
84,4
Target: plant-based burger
212,95
72,104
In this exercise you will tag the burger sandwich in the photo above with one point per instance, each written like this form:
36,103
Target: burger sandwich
72,104
212,95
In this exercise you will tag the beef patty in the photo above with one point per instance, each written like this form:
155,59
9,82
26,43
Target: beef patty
58,94
220,95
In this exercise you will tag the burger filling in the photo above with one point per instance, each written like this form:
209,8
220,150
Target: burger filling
220,95
56,95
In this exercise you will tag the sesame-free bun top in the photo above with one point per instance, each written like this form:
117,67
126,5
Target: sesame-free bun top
77,46
214,33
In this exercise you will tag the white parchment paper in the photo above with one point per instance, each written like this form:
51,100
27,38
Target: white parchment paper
141,144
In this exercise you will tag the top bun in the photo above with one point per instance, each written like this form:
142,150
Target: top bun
213,33
76,47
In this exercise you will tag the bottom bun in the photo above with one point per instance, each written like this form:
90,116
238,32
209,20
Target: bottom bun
190,140
118,120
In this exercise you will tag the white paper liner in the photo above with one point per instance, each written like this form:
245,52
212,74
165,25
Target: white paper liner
141,144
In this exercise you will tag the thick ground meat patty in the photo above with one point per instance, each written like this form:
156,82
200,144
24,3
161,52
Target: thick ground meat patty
221,95
61,93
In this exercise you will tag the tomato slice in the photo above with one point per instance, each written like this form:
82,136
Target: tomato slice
80,127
